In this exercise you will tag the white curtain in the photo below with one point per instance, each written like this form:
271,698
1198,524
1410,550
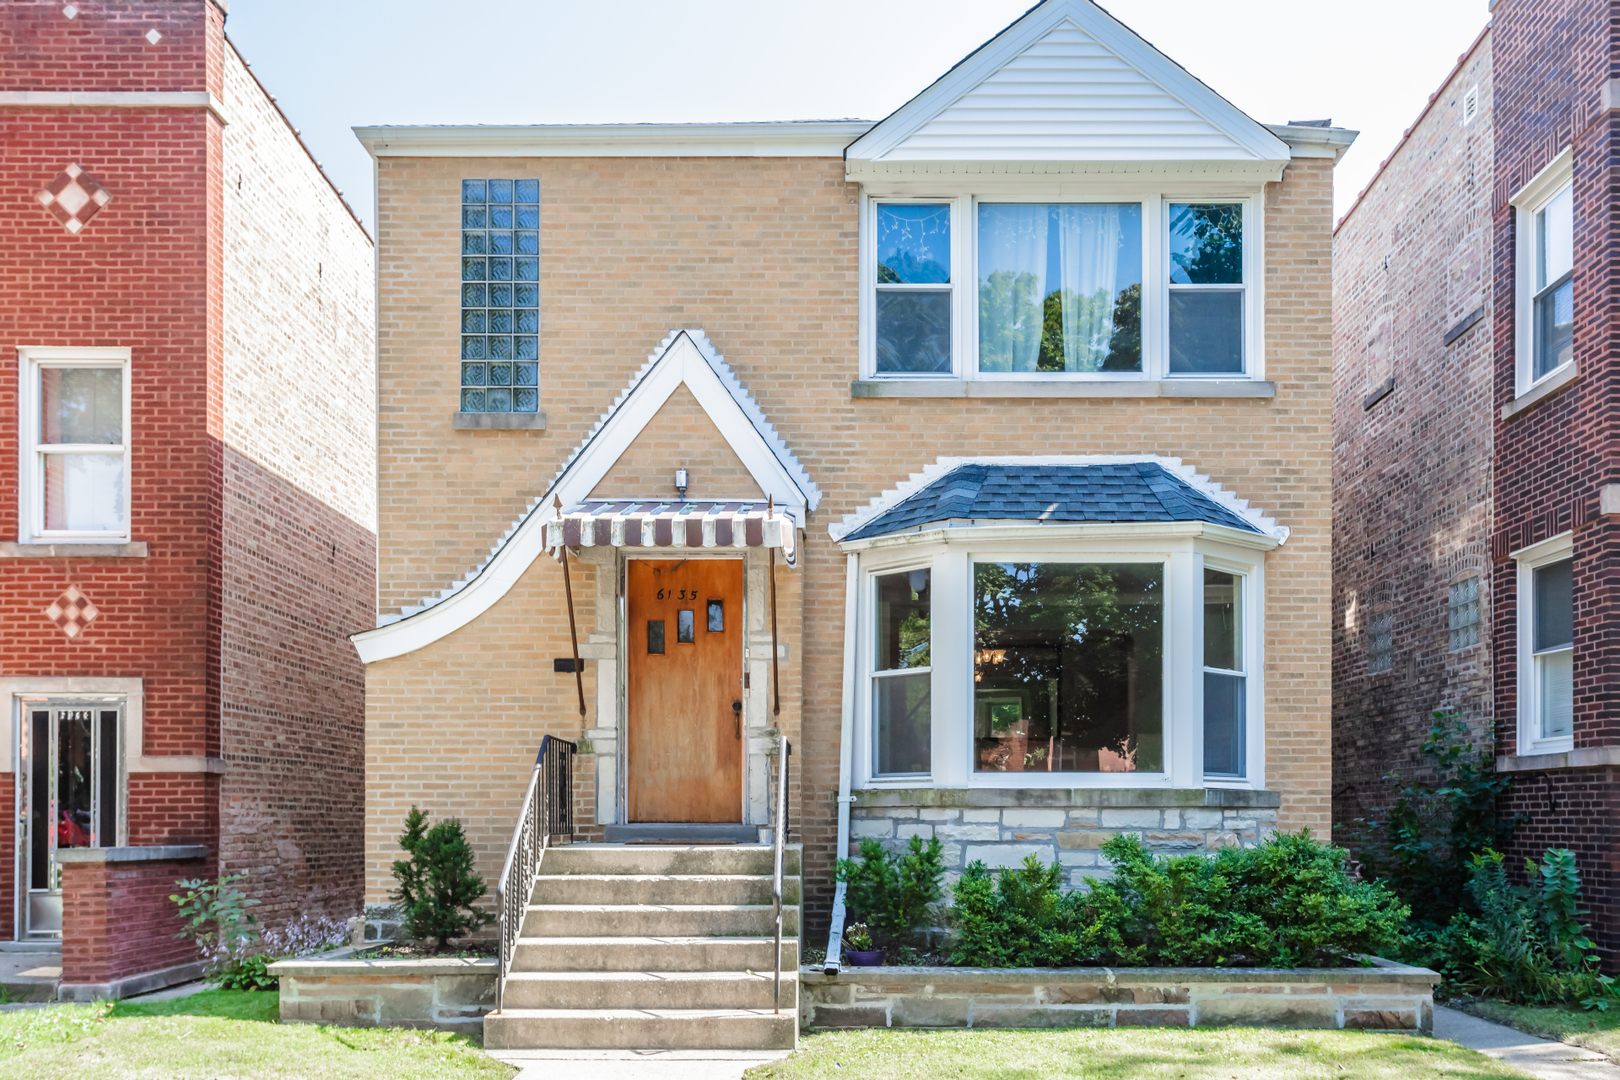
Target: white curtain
1012,284
1088,265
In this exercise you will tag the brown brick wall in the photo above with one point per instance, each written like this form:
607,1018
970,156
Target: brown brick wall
1412,473
118,920
104,47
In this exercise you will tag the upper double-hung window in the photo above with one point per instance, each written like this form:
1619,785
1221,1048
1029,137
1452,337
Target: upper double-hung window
76,479
1544,278
983,289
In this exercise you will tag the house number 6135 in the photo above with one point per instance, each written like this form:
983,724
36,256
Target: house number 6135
670,594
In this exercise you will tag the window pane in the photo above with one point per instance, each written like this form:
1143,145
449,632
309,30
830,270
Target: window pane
684,627
1068,667
717,616
1206,244
1555,609
1223,724
902,621
1381,641
655,637
914,245
914,332
1206,331
107,779
902,729
81,405
73,778
84,492
1555,238
1462,614
1555,328
1222,644
1060,287
1557,684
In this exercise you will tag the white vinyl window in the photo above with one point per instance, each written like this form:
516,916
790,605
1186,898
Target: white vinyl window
74,472
1208,289
1545,275
1546,633
902,640
1225,679
913,307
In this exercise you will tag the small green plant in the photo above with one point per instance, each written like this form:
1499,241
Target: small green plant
894,891
857,937
216,918
438,887
249,973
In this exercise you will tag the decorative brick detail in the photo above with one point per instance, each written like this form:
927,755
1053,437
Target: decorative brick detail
74,197
72,612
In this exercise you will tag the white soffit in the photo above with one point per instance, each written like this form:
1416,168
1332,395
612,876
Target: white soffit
1067,82
683,358
791,138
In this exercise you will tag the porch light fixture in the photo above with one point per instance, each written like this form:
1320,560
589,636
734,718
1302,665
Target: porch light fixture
681,482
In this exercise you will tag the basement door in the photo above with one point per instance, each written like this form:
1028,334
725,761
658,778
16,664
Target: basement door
684,729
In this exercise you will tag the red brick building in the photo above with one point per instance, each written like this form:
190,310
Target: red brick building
189,529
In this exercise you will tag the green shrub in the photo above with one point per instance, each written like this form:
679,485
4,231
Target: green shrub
437,884
893,891
1288,902
216,918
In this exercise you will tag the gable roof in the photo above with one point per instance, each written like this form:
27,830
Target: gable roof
1095,489
683,358
1068,82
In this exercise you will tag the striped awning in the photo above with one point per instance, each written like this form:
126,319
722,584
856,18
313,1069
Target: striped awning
598,523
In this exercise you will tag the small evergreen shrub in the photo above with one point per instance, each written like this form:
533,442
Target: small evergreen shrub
1288,902
437,884
893,892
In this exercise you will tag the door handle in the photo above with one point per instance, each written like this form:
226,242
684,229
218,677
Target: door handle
736,714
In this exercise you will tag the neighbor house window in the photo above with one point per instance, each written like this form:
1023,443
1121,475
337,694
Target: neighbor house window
76,445
1068,667
1462,613
1553,301
1380,641
1225,684
500,296
901,671
914,288
1060,287
1207,289
1553,649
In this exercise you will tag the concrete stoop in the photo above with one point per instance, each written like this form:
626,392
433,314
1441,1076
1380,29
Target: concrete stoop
655,947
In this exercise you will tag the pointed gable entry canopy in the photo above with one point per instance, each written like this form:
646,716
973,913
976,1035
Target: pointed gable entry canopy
1067,88
684,358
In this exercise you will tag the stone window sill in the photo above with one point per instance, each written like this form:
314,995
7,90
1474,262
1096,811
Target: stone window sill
1541,391
136,550
1037,798
498,421
1586,757
131,854
1111,388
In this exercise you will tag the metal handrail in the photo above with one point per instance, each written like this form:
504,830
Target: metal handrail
779,836
547,814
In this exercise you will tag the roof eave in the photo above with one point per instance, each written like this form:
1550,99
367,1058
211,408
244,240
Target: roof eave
796,138
977,531
1314,142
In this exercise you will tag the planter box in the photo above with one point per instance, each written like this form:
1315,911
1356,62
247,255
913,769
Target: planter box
1386,997
448,994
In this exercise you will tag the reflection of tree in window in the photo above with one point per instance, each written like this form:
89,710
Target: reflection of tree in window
1206,244
1067,667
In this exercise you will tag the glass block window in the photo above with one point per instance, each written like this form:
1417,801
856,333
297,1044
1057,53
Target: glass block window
1381,641
500,296
1462,613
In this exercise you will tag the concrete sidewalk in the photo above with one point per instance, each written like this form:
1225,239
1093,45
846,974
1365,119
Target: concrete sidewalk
635,1064
1542,1058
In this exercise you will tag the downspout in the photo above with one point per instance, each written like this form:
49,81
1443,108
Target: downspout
846,750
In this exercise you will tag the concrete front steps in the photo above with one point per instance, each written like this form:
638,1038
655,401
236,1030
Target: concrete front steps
653,947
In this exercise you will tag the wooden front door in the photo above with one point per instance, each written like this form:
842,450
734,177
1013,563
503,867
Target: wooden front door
685,738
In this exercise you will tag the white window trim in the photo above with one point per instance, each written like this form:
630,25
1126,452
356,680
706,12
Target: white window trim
871,674
1530,199
31,359
1155,205
1250,641
950,555
1528,689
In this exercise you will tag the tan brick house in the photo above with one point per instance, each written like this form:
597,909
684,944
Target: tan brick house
1020,397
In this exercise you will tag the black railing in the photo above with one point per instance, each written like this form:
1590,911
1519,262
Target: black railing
779,837
547,817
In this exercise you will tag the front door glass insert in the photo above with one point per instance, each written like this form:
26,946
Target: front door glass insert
70,796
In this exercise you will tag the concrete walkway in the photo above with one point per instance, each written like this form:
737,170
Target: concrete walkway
1542,1058
635,1064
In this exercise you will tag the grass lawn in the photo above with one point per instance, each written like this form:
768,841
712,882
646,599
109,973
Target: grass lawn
222,1034
1598,1031
1151,1053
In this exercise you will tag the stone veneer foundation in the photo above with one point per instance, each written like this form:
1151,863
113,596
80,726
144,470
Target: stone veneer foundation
1384,997
1001,826
450,994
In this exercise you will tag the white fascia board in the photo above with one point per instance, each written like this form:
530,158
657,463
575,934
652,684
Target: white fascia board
1004,532
900,125
1251,170
683,357
810,138
1314,142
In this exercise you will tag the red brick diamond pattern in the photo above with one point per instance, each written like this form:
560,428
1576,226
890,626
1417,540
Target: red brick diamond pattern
72,612
74,198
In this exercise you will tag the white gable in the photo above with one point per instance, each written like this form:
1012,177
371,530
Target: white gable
1068,83
684,358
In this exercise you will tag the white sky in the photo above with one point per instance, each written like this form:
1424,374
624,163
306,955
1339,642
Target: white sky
1368,64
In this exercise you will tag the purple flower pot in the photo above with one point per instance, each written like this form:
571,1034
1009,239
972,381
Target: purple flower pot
863,957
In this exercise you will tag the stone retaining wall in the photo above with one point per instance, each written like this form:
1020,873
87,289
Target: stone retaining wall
1385,997
1002,826
449,994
